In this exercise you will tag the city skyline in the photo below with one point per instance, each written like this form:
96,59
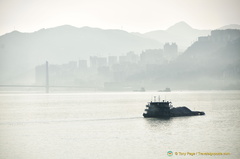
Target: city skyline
132,16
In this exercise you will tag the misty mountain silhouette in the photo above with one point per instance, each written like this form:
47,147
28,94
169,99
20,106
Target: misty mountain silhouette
231,26
21,52
181,33
180,26
211,63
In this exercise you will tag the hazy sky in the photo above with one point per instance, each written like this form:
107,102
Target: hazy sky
129,15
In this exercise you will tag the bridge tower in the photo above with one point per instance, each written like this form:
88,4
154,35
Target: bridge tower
47,78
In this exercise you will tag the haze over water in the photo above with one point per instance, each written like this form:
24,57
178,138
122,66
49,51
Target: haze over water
108,49
110,125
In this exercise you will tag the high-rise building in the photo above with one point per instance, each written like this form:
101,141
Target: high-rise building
82,64
112,60
170,50
96,62
151,56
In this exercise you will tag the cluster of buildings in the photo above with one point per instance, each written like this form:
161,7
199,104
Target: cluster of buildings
147,57
105,71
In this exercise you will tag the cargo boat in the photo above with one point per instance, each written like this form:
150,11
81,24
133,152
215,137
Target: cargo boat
164,109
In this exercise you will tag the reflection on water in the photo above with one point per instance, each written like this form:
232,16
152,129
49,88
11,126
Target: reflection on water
158,123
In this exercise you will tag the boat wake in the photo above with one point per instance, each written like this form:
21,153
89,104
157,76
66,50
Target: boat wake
66,121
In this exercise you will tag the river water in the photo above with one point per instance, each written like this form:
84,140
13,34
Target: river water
110,126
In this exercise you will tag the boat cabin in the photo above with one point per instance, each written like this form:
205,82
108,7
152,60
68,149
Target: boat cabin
158,109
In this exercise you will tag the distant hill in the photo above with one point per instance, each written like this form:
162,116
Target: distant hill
231,26
20,52
213,59
212,62
180,33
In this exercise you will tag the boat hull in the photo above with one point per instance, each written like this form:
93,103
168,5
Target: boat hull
174,112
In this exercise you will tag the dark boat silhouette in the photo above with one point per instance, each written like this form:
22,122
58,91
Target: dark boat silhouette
164,109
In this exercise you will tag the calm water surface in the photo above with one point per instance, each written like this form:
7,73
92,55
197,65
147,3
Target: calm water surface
111,126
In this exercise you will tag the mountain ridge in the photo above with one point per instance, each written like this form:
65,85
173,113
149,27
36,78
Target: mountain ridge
230,26
23,51
20,52
181,33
